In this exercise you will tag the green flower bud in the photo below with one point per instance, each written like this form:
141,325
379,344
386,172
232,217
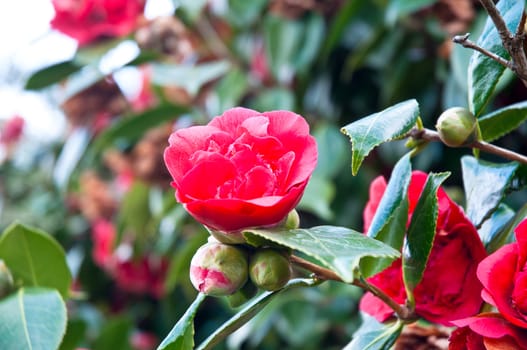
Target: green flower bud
218,269
458,127
6,280
269,269
293,220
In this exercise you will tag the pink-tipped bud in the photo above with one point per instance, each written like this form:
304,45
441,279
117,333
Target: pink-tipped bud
218,269
269,269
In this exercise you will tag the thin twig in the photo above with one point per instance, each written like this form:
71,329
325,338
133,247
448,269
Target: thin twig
321,273
430,135
465,42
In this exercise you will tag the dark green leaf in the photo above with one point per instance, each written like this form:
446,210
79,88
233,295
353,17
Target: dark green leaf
375,336
485,185
292,45
75,334
189,77
32,319
421,233
248,312
389,223
502,121
483,72
181,337
369,132
35,258
134,213
401,8
133,127
339,25
114,335
338,248
492,227
51,75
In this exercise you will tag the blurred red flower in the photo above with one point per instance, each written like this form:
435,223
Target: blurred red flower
12,130
89,20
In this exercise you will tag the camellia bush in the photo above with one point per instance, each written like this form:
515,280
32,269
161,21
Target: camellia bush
214,207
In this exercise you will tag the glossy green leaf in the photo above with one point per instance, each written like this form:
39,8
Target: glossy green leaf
421,233
181,337
502,121
50,75
189,77
369,132
292,45
248,312
506,234
375,336
483,72
32,319
389,222
492,227
485,186
401,8
338,248
35,258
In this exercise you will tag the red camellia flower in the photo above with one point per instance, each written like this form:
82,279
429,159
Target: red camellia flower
488,331
90,20
504,278
244,169
449,289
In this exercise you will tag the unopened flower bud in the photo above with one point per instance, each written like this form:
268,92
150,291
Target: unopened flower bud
293,220
458,127
218,269
6,280
269,269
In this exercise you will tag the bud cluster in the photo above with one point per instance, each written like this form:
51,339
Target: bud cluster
220,269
